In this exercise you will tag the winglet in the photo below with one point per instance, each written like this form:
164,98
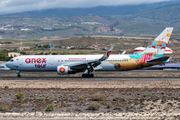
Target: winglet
123,53
107,54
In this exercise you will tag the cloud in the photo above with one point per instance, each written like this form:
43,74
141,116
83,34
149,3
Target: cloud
14,6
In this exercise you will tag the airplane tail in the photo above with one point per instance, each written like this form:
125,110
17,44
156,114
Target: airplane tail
157,47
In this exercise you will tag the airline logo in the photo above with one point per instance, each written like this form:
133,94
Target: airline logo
39,62
62,70
108,53
117,66
34,60
40,65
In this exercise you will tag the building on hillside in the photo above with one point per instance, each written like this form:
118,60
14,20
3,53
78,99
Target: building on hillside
24,48
13,54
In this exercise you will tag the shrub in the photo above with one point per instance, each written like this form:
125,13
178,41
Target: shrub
109,105
53,98
145,94
50,108
20,96
68,105
98,97
4,108
6,87
66,98
81,98
42,98
94,106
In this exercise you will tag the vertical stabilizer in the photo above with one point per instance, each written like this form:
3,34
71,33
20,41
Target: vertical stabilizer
158,46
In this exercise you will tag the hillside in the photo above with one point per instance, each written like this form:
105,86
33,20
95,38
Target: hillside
99,10
127,20
168,13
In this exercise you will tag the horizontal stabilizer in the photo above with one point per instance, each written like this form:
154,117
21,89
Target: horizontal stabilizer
157,60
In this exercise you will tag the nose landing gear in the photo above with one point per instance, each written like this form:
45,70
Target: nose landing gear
18,73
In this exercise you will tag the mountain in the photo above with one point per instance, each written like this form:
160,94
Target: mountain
169,13
127,20
99,10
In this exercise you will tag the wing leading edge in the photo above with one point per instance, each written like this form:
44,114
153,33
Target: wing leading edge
92,63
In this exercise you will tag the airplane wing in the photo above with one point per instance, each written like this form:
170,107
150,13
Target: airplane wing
157,60
93,63
123,53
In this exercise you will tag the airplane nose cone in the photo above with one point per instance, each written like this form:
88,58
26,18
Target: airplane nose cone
8,64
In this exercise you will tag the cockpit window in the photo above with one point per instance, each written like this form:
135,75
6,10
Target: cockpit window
11,60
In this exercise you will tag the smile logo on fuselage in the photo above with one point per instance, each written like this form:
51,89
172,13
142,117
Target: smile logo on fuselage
62,70
38,65
117,65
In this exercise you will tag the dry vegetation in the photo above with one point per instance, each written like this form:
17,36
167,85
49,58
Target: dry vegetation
121,44
106,95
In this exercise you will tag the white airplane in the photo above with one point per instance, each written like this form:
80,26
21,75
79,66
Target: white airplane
71,64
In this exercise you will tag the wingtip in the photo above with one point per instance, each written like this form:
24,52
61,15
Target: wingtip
111,48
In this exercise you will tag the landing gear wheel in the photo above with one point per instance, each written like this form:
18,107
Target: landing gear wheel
83,75
87,75
91,75
18,75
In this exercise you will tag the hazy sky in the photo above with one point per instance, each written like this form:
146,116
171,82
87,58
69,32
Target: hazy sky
13,6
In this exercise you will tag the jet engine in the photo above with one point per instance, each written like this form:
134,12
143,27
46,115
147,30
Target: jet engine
62,70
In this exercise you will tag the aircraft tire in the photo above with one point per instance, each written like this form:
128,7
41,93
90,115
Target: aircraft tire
92,75
87,75
18,75
83,75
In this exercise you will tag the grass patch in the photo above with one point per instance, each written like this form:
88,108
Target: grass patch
53,98
6,87
94,106
42,98
20,95
81,98
50,108
99,97
4,108
109,105
66,98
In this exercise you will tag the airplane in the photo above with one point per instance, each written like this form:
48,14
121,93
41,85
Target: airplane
72,64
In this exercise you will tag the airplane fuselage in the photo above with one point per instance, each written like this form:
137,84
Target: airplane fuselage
50,62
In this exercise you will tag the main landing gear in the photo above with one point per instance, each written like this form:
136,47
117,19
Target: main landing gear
18,73
87,75
88,72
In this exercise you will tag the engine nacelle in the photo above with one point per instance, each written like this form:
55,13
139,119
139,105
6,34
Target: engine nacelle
62,70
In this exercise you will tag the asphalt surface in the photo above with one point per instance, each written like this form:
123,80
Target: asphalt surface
59,78
95,78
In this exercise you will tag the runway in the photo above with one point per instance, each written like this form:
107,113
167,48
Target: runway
144,75
95,78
